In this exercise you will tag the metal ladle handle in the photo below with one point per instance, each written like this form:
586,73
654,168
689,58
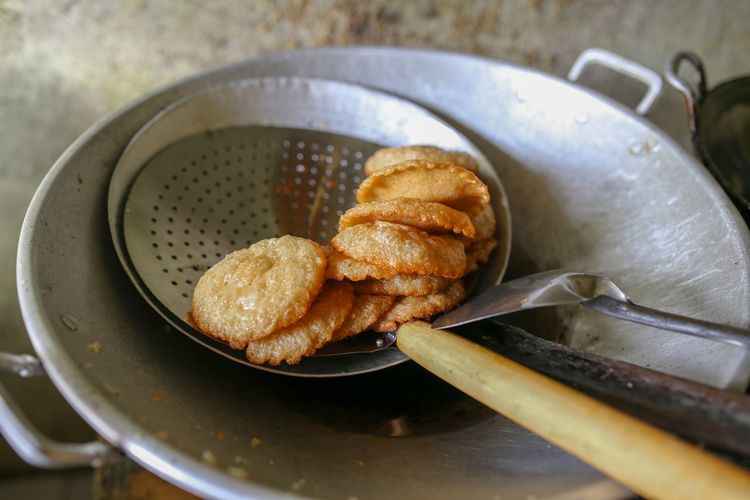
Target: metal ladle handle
617,63
668,321
28,442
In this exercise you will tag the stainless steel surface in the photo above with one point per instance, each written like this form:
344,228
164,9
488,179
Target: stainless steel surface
590,186
594,291
616,62
222,169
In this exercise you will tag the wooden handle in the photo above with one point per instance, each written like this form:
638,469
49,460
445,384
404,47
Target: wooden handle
653,463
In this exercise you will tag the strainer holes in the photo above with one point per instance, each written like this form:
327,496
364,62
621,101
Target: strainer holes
215,167
205,172
311,194
314,157
183,170
218,231
216,152
185,295
342,174
252,184
285,155
195,179
254,157
219,201
329,159
223,221
199,199
243,223
300,156
204,157
188,220
160,197
170,244
255,233
166,186
155,245
312,182
174,283
252,216
240,189
193,163
200,243
242,204
295,205
204,255
341,200
330,148
158,257
228,149
344,151
325,209
323,222
242,146
179,269
217,184
179,198
235,231
218,254
231,212
227,163
358,155
264,210
153,219
216,243
165,270
174,257
187,231
189,256
205,221
313,170
153,233
357,166
228,194
232,242
169,231
265,225
357,179
174,208
339,212
174,177
202,231
207,191
323,235
156,208
188,282
286,144
187,188
210,210
342,187
344,163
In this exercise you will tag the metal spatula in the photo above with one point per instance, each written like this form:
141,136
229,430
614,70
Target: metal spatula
594,291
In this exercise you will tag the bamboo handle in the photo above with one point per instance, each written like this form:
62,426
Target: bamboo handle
653,463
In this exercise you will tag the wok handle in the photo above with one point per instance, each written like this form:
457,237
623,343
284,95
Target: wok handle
615,62
652,462
30,444
667,321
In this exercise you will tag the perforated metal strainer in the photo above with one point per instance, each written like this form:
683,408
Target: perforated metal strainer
220,170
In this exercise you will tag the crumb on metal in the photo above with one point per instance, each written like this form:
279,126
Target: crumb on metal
237,472
241,460
208,457
95,347
359,462
221,434
159,395
255,442
111,390
163,435
298,484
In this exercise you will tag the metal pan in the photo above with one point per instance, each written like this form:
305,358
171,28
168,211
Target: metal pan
590,185
719,121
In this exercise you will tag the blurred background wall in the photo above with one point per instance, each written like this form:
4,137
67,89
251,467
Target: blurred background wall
66,63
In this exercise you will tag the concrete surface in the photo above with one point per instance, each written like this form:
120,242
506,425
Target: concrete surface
66,63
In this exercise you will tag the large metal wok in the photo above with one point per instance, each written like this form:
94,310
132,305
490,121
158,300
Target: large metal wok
591,186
